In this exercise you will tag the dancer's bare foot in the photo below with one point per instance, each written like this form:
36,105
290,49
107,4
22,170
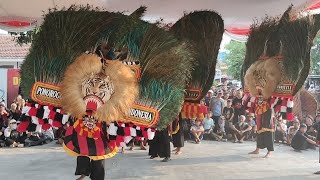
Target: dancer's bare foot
81,177
178,152
254,152
268,155
176,149
143,148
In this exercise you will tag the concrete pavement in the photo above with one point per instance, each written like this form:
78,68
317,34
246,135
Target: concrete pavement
208,160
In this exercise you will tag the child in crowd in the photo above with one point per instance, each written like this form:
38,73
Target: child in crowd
251,122
197,131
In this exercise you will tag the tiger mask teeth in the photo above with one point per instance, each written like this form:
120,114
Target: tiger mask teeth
93,102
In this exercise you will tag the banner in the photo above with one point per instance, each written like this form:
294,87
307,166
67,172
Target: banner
13,85
46,94
143,116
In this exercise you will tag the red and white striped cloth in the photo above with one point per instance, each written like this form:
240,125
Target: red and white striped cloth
121,134
45,116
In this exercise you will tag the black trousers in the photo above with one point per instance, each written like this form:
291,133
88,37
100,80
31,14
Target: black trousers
86,166
216,123
265,140
160,145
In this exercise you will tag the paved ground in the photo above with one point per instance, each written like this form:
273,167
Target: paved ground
208,160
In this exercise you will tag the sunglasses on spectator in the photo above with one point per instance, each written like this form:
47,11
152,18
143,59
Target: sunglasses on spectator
13,123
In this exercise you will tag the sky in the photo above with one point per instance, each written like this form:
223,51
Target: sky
225,39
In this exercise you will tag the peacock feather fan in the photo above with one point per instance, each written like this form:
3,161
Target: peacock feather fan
63,36
165,61
287,37
203,31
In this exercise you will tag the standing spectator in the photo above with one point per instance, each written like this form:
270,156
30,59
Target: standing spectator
226,97
292,130
208,97
241,130
216,107
228,113
224,88
239,109
301,140
4,115
233,94
203,108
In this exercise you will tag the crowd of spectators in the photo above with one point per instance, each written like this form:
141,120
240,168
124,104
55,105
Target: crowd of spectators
10,119
227,119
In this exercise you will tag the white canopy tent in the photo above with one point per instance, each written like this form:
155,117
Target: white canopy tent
20,16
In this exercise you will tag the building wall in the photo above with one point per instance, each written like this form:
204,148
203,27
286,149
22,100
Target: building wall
11,63
3,84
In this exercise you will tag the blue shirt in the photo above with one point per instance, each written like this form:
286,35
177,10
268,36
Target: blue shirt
216,106
207,123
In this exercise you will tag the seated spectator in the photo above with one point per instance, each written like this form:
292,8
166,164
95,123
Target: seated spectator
4,115
47,135
251,122
241,129
35,138
292,131
197,131
301,140
12,135
208,125
281,129
310,130
14,112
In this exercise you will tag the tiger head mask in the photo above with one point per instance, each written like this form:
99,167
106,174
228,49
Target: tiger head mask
99,85
114,83
263,76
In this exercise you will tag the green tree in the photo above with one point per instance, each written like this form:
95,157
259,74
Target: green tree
234,58
315,56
